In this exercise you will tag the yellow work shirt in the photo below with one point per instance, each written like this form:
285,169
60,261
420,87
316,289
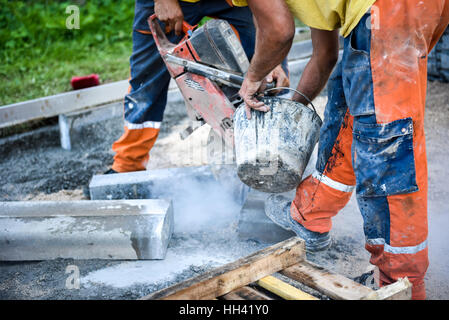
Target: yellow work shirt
330,14
237,3
326,14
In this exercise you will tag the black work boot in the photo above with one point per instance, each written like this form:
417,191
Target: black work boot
110,171
277,208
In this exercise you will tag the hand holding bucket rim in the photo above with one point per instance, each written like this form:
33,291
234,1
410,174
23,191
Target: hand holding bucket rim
260,105
280,143
297,91
251,89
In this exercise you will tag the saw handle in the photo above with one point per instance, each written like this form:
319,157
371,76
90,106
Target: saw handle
238,80
186,27
163,44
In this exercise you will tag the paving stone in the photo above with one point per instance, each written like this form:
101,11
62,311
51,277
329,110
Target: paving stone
152,184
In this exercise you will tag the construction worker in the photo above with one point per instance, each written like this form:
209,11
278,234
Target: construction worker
145,103
372,139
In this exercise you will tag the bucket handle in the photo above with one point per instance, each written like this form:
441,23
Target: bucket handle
297,91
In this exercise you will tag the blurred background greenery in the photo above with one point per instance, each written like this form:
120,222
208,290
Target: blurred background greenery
39,55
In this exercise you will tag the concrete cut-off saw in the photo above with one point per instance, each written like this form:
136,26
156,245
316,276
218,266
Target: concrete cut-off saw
209,65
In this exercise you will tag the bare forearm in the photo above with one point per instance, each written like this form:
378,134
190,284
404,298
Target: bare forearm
312,82
274,36
320,66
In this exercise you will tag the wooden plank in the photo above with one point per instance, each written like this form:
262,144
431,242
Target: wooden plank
283,289
245,293
400,290
237,274
333,285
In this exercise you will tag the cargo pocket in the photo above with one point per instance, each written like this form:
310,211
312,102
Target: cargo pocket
357,76
383,158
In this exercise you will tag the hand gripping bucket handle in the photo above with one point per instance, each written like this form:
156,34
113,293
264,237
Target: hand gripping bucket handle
297,91
273,148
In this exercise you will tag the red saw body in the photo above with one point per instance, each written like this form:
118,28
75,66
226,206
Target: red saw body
208,66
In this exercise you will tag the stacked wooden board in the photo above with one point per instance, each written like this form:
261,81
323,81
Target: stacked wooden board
253,278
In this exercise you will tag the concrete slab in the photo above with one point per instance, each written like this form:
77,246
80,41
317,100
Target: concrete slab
201,200
153,184
118,229
149,184
255,225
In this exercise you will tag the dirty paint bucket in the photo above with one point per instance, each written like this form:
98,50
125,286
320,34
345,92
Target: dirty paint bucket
273,148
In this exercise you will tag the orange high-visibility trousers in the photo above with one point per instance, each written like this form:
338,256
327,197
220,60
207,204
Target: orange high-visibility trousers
373,140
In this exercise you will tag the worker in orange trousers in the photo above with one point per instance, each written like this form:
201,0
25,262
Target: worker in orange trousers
372,139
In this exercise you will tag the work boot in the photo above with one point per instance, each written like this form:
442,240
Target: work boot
110,171
277,208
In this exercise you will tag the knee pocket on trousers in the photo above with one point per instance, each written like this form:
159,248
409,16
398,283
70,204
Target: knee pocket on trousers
383,158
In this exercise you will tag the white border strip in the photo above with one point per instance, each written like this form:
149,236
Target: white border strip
398,250
146,124
331,183
62,103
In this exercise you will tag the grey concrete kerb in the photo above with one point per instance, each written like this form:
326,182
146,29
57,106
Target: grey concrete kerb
111,229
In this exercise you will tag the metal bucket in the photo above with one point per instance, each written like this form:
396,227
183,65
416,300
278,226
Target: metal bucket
273,148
